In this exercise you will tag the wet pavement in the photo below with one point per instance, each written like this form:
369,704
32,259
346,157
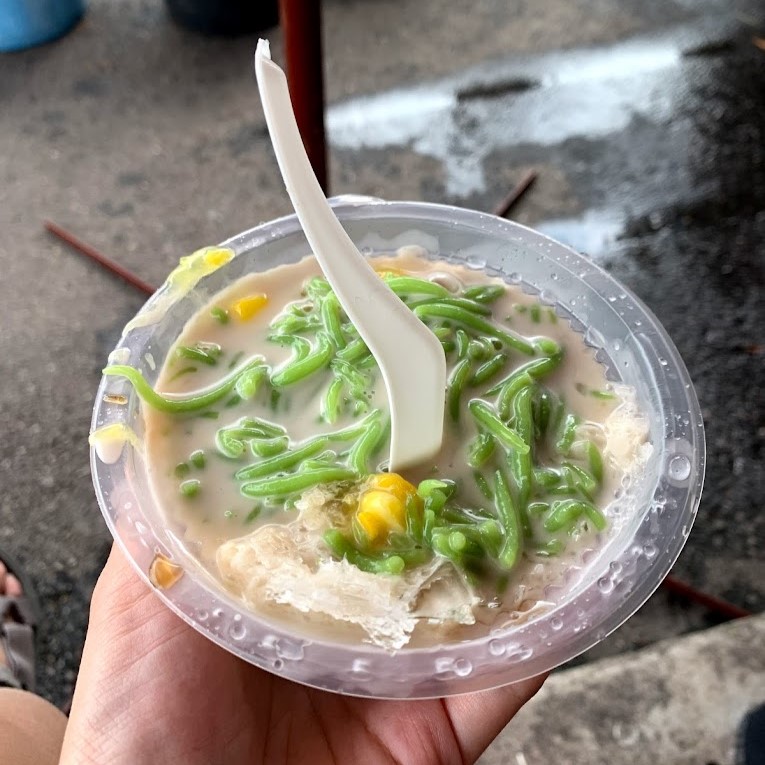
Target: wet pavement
645,123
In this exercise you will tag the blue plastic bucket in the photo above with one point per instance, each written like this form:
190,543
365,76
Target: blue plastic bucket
25,23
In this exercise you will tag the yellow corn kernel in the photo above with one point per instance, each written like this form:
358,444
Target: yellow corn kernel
383,271
388,512
372,524
382,505
395,484
245,308
388,506
218,257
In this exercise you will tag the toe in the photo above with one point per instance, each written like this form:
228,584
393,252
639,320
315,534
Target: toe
13,586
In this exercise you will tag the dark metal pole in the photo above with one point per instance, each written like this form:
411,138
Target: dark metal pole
301,26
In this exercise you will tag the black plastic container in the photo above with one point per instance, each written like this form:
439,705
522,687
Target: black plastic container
225,17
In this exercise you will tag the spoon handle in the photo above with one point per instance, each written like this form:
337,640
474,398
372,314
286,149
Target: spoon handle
410,357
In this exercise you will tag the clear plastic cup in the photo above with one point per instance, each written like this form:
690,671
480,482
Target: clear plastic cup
614,582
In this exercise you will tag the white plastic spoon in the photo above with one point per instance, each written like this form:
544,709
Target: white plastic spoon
410,357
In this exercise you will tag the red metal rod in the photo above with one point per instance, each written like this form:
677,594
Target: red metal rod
507,204
714,604
93,254
300,21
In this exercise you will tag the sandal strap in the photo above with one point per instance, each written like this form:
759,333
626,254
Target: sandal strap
17,609
19,648
8,679
17,638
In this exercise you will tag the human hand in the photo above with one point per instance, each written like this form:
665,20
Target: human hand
153,690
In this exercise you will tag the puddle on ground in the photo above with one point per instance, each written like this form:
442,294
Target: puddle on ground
589,93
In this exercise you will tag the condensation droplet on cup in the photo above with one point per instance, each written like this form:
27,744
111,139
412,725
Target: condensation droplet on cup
287,649
278,664
649,550
496,647
237,630
360,669
202,615
444,665
217,613
463,667
679,467
521,654
605,585
615,566
556,623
